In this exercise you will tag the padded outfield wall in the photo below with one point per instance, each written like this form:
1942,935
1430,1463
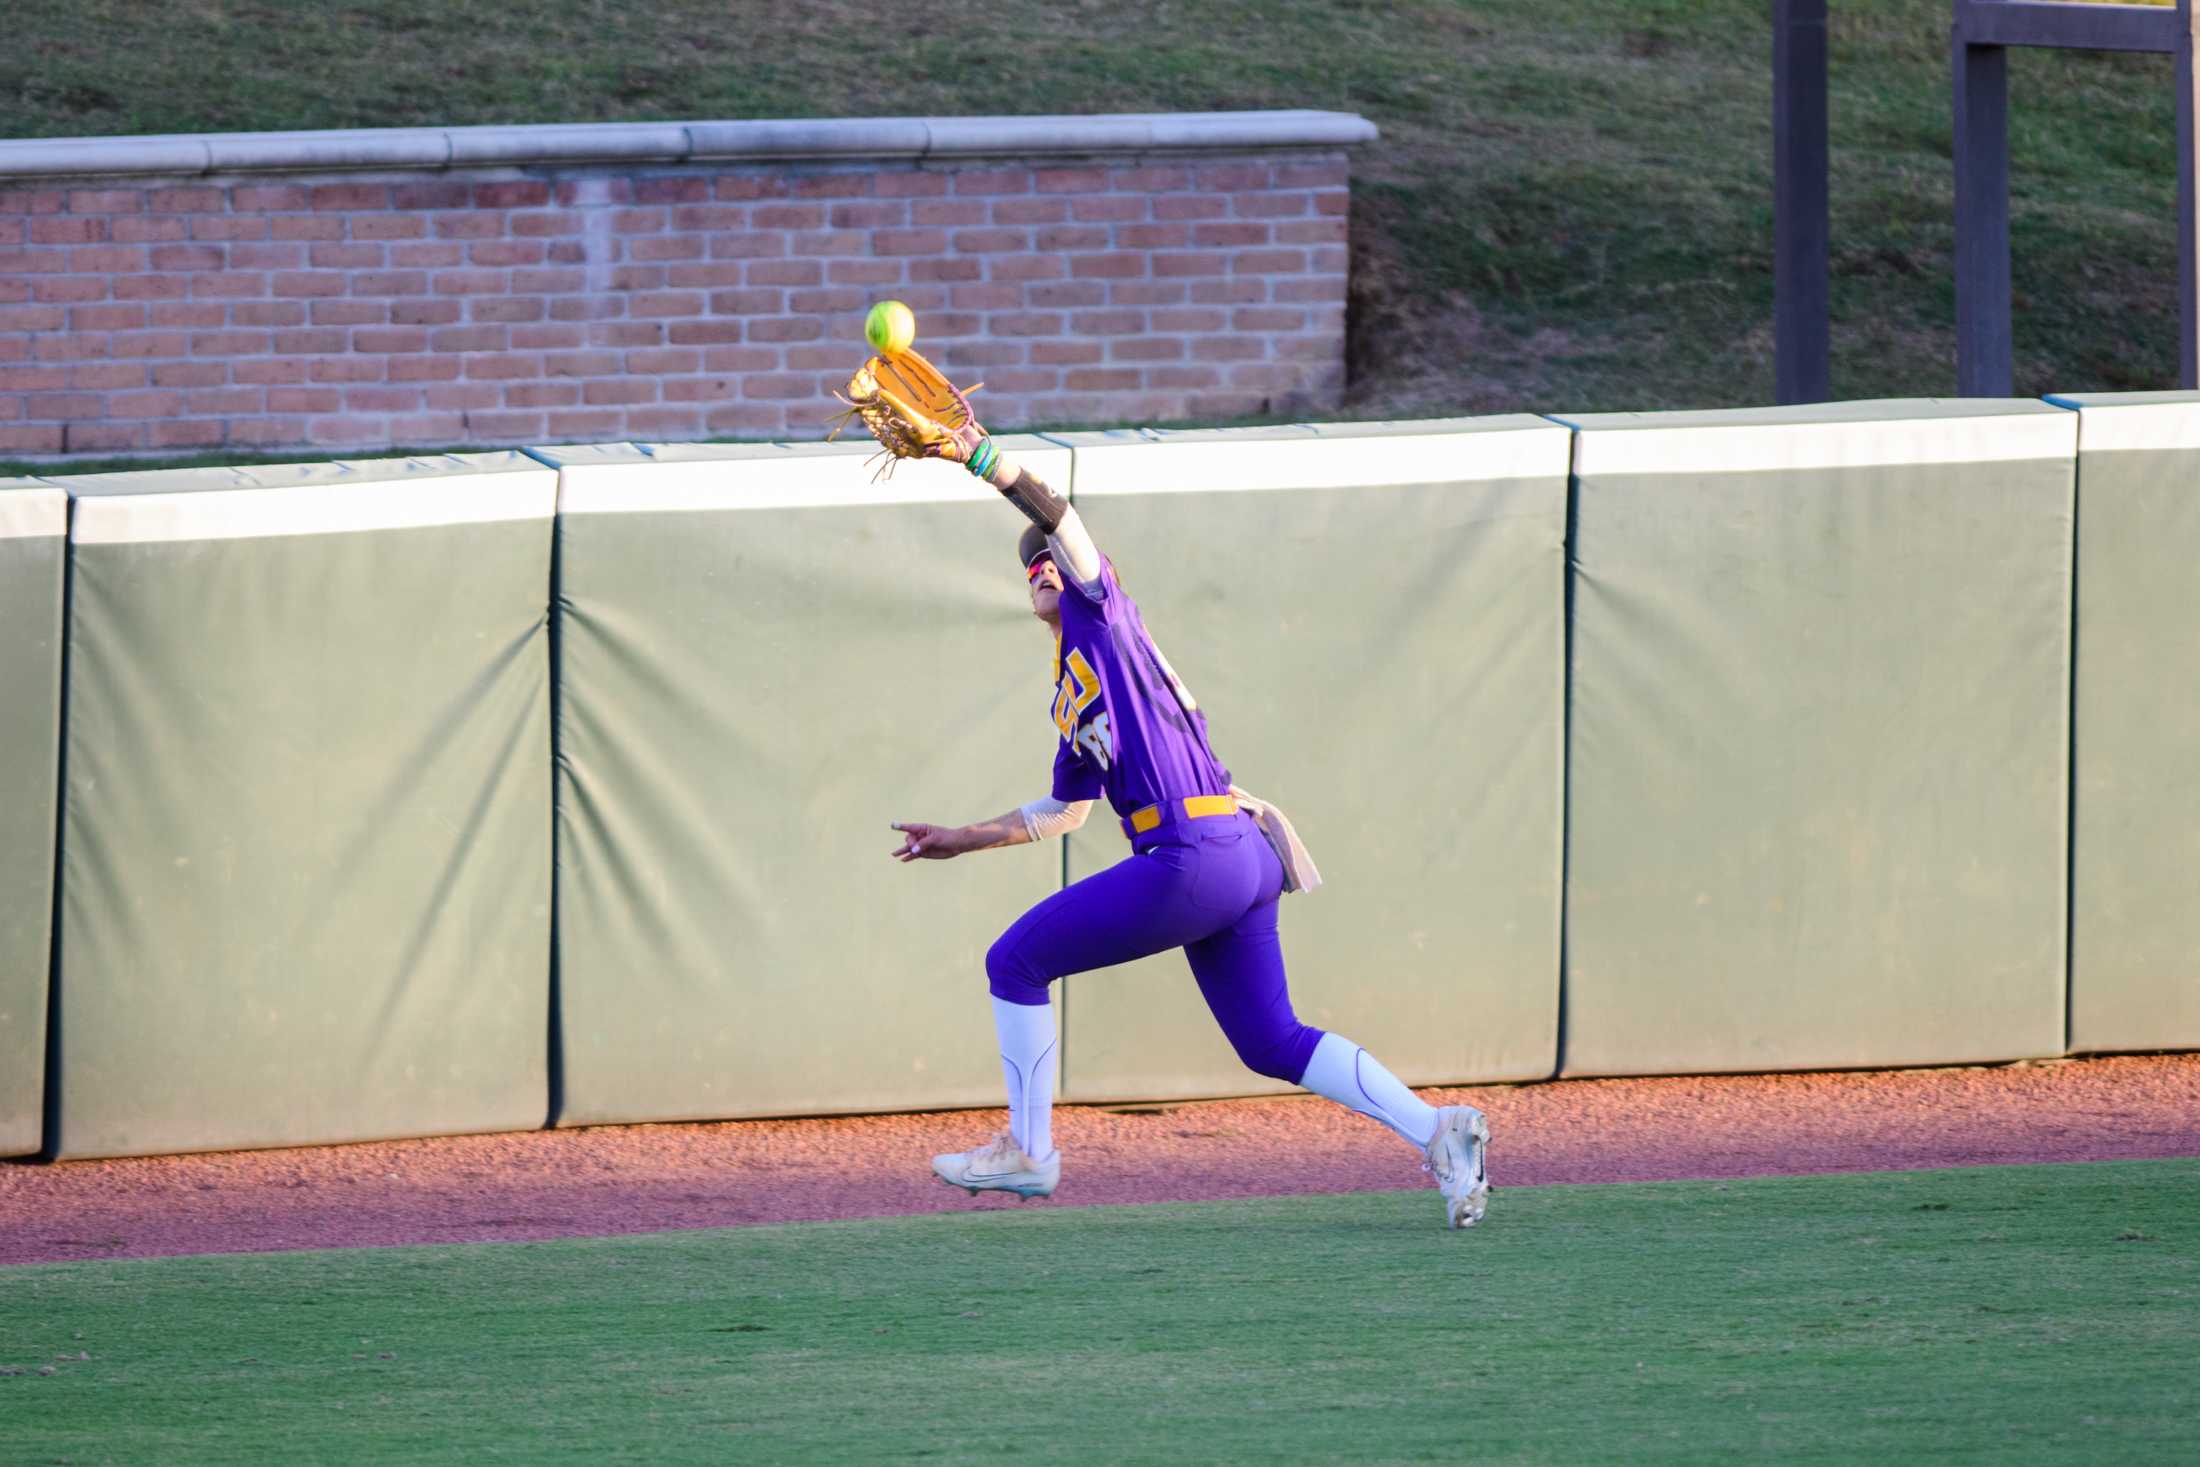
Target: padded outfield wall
34,521
2135,925
1766,767
1819,737
1372,616
305,852
767,654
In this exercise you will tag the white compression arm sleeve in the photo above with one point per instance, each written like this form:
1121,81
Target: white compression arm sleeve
1074,551
1044,818
1071,542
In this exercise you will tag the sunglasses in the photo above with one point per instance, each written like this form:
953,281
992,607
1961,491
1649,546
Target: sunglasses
1032,572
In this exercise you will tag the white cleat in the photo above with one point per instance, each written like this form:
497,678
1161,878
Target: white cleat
1459,1156
1000,1166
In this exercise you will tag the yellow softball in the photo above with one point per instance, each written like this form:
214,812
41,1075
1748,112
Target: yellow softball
890,328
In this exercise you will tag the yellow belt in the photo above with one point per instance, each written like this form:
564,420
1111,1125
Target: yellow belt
1195,808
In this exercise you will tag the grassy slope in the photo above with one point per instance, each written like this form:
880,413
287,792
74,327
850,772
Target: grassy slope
2008,1314
1569,208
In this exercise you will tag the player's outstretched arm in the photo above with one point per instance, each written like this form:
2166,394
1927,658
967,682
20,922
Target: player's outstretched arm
915,412
1075,552
1021,826
1037,499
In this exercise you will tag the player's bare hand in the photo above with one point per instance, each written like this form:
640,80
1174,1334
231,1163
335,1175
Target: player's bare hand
921,842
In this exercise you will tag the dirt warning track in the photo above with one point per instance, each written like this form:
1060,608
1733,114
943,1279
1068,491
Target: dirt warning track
636,1179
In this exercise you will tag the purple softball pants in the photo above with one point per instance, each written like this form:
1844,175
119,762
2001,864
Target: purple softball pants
1207,886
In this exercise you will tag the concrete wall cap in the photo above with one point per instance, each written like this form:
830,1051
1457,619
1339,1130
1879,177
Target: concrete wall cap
1259,129
396,147
853,139
41,158
556,142
964,136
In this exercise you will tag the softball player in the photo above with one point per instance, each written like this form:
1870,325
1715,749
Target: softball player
1202,874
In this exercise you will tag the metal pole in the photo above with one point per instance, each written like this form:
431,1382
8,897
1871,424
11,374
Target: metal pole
1984,359
1800,311
2188,202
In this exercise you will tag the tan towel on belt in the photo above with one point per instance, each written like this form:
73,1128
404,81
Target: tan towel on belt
1298,867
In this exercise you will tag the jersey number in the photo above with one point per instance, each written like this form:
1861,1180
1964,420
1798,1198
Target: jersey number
1098,741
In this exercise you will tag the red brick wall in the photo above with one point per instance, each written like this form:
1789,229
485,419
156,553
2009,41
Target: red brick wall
558,306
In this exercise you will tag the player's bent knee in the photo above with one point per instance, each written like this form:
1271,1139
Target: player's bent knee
1282,1057
1012,976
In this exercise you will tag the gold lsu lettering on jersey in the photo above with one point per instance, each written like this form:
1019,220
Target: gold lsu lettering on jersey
1075,693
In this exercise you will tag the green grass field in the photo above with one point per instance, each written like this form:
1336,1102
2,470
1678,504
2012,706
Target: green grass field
2005,1314
1570,207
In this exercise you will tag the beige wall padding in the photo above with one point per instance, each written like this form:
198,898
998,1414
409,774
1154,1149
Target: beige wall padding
1774,773
2135,922
1819,737
1371,615
306,836
33,528
766,658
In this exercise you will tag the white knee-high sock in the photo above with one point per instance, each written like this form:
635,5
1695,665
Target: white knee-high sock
1027,1065
1349,1075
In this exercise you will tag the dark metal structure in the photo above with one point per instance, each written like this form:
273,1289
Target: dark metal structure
1983,32
1801,350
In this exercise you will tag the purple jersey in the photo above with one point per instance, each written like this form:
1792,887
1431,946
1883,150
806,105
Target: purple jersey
1129,730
